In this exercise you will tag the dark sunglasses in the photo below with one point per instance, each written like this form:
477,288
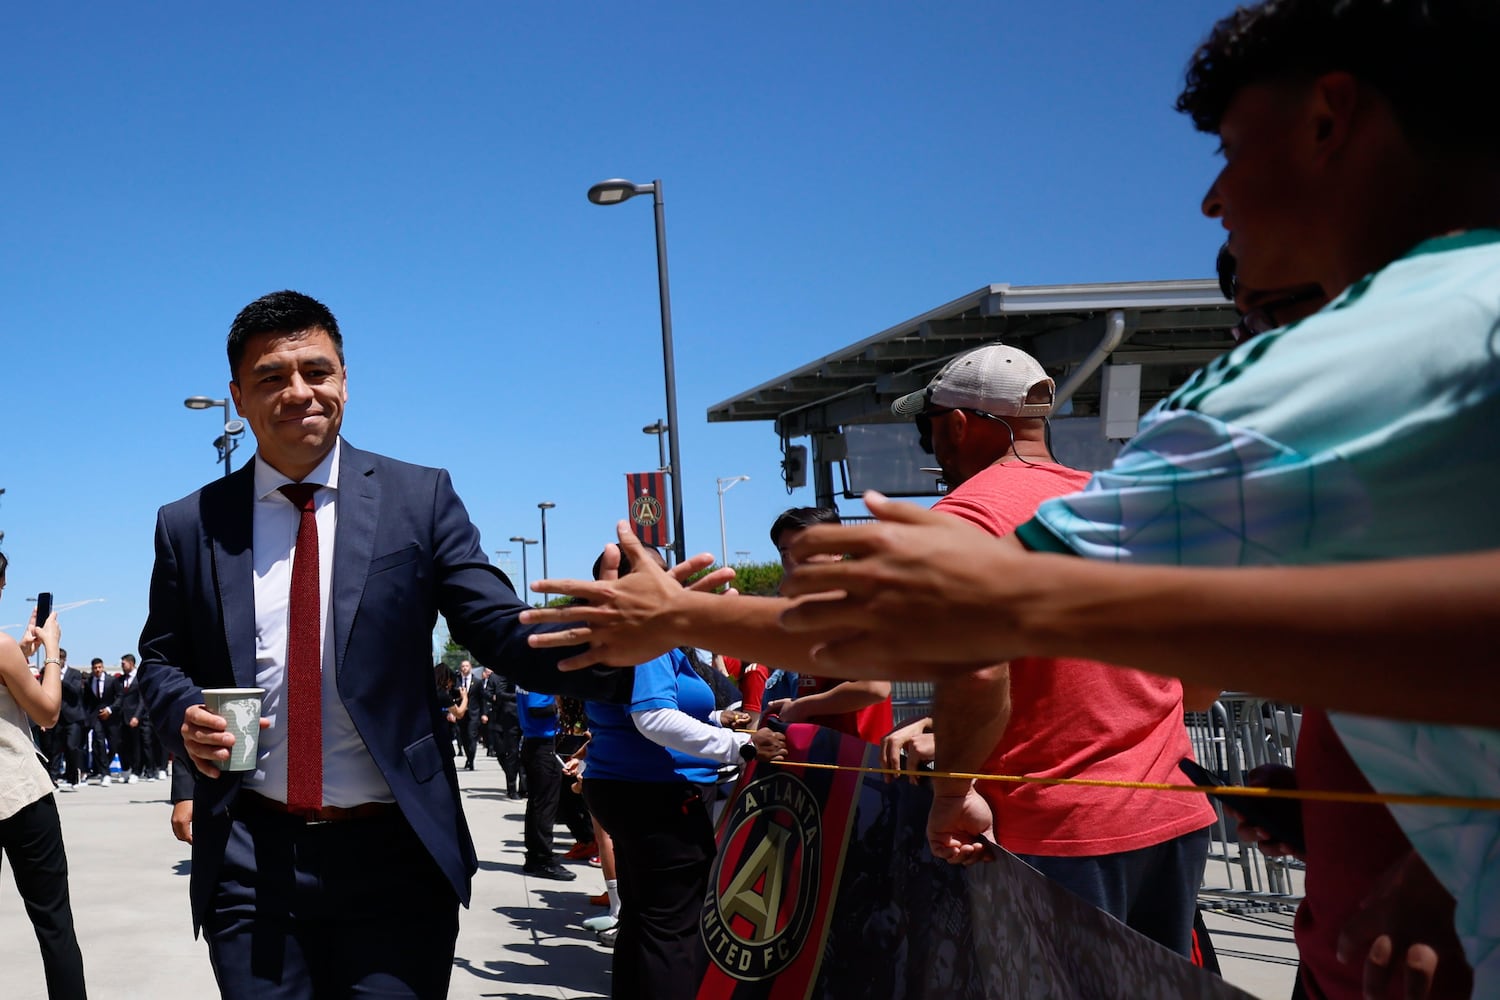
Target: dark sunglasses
924,423
924,428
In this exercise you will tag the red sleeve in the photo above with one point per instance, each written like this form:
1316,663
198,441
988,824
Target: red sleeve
753,686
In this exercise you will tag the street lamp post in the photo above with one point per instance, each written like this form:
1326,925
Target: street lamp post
545,506
612,192
659,428
725,485
232,428
525,580
740,555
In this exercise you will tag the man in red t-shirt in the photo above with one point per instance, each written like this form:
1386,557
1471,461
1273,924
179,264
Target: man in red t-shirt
1135,854
859,708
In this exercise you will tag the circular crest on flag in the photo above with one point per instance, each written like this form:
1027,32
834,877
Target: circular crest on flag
763,891
645,510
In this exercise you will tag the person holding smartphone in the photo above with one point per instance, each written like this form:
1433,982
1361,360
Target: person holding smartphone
30,831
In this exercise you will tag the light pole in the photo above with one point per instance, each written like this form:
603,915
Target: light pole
525,581
659,428
740,555
612,192
725,485
232,428
545,506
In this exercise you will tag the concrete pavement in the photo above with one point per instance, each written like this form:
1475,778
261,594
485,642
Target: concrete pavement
520,938
128,877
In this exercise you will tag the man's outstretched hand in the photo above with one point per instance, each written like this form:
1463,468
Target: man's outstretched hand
624,620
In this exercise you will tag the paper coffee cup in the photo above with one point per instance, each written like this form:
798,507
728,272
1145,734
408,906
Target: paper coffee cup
240,707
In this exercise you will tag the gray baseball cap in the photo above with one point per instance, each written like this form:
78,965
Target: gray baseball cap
994,379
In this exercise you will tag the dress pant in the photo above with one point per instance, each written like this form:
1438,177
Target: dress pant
125,739
100,750
348,909
664,848
70,737
506,734
32,839
544,782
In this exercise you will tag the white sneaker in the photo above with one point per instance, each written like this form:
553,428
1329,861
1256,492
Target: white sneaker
131,780
104,779
603,922
65,787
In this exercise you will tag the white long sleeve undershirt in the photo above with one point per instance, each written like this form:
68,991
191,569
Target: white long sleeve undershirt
676,730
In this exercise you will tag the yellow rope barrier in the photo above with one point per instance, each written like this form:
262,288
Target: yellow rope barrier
1244,791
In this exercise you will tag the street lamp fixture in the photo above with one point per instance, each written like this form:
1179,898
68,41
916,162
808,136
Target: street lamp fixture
613,192
233,429
725,485
545,506
659,428
525,579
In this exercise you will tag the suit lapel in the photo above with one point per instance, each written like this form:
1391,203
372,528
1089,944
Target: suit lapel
359,513
228,516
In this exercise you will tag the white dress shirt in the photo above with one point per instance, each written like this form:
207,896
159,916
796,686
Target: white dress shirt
350,776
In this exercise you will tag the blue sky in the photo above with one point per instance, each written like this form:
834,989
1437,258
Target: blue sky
830,169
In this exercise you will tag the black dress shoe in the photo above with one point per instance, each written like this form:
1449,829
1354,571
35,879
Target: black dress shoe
513,796
468,767
551,870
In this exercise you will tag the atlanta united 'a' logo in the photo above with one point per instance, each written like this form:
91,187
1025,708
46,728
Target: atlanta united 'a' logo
645,510
764,886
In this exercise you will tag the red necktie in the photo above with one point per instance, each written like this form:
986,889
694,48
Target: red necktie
304,657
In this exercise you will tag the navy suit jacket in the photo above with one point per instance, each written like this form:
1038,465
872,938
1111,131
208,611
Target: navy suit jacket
405,551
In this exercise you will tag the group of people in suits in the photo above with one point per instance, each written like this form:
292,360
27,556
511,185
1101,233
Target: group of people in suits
488,719
102,715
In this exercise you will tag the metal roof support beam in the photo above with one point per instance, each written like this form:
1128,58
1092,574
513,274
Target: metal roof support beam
1115,331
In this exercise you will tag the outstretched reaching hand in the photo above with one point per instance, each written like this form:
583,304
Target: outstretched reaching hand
623,619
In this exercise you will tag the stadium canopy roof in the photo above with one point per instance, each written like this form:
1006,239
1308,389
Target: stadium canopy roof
1168,328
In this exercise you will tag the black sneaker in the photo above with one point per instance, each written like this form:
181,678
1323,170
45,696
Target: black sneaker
549,869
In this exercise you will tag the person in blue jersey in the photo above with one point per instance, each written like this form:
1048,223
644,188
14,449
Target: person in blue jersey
652,767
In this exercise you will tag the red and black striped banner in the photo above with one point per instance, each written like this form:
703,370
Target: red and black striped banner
824,887
647,497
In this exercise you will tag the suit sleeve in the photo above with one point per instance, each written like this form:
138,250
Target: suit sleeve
483,612
166,644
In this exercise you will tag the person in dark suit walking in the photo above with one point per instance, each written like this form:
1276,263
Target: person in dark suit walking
467,726
64,744
98,708
499,717
336,867
125,720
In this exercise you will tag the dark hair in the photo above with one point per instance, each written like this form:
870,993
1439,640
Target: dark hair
98,660
280,312
127,656
625,561
1431,59
797,518
4,562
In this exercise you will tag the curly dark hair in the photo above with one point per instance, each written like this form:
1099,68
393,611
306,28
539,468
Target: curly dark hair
1431,59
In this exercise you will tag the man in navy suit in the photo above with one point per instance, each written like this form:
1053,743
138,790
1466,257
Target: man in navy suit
336,866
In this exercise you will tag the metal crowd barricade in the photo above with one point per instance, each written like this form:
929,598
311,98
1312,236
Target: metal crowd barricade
1238,734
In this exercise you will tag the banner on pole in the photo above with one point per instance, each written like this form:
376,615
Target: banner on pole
824,887
647,496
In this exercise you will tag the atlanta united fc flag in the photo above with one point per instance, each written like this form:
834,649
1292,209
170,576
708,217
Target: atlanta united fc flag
648,506
824,887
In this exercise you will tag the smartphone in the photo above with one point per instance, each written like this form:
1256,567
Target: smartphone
1281,818
43,608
